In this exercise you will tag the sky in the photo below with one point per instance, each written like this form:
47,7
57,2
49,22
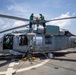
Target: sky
51,9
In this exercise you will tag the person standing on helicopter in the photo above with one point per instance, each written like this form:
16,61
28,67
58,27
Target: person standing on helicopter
31,18
42,18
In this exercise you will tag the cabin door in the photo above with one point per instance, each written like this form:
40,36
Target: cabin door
8,42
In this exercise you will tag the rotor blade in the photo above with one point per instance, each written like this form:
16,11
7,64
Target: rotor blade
61,19
14,28
13,17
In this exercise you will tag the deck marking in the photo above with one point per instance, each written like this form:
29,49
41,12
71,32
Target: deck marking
9,71
23,69
35,66
4,72
12,64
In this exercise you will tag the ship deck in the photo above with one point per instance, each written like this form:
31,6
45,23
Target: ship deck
63,63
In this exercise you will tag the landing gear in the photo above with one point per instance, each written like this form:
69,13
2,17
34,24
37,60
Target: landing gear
29,55
50,55
30,58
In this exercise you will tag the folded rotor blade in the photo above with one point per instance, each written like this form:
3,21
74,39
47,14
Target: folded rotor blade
61,19
13,17
14,28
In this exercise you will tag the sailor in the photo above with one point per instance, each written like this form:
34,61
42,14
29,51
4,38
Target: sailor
42,18
8,41
31,18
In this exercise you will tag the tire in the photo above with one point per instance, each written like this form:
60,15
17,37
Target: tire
50,55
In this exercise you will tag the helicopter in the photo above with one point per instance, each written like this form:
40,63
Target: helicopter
25,42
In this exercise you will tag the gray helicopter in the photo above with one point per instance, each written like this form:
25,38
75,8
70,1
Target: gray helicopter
25,42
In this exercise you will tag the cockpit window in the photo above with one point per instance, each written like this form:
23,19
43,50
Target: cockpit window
23,40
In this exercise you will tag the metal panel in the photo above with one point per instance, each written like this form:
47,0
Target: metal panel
53,30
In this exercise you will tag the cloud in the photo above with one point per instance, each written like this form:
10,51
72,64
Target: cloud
18,23
62,23
1,21
16,8
13,24
4,24
26,8
7,24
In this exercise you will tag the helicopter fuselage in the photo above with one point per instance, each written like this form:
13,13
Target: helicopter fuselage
37,42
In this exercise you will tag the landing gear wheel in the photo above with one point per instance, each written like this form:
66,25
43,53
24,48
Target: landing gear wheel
29,55
50,55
